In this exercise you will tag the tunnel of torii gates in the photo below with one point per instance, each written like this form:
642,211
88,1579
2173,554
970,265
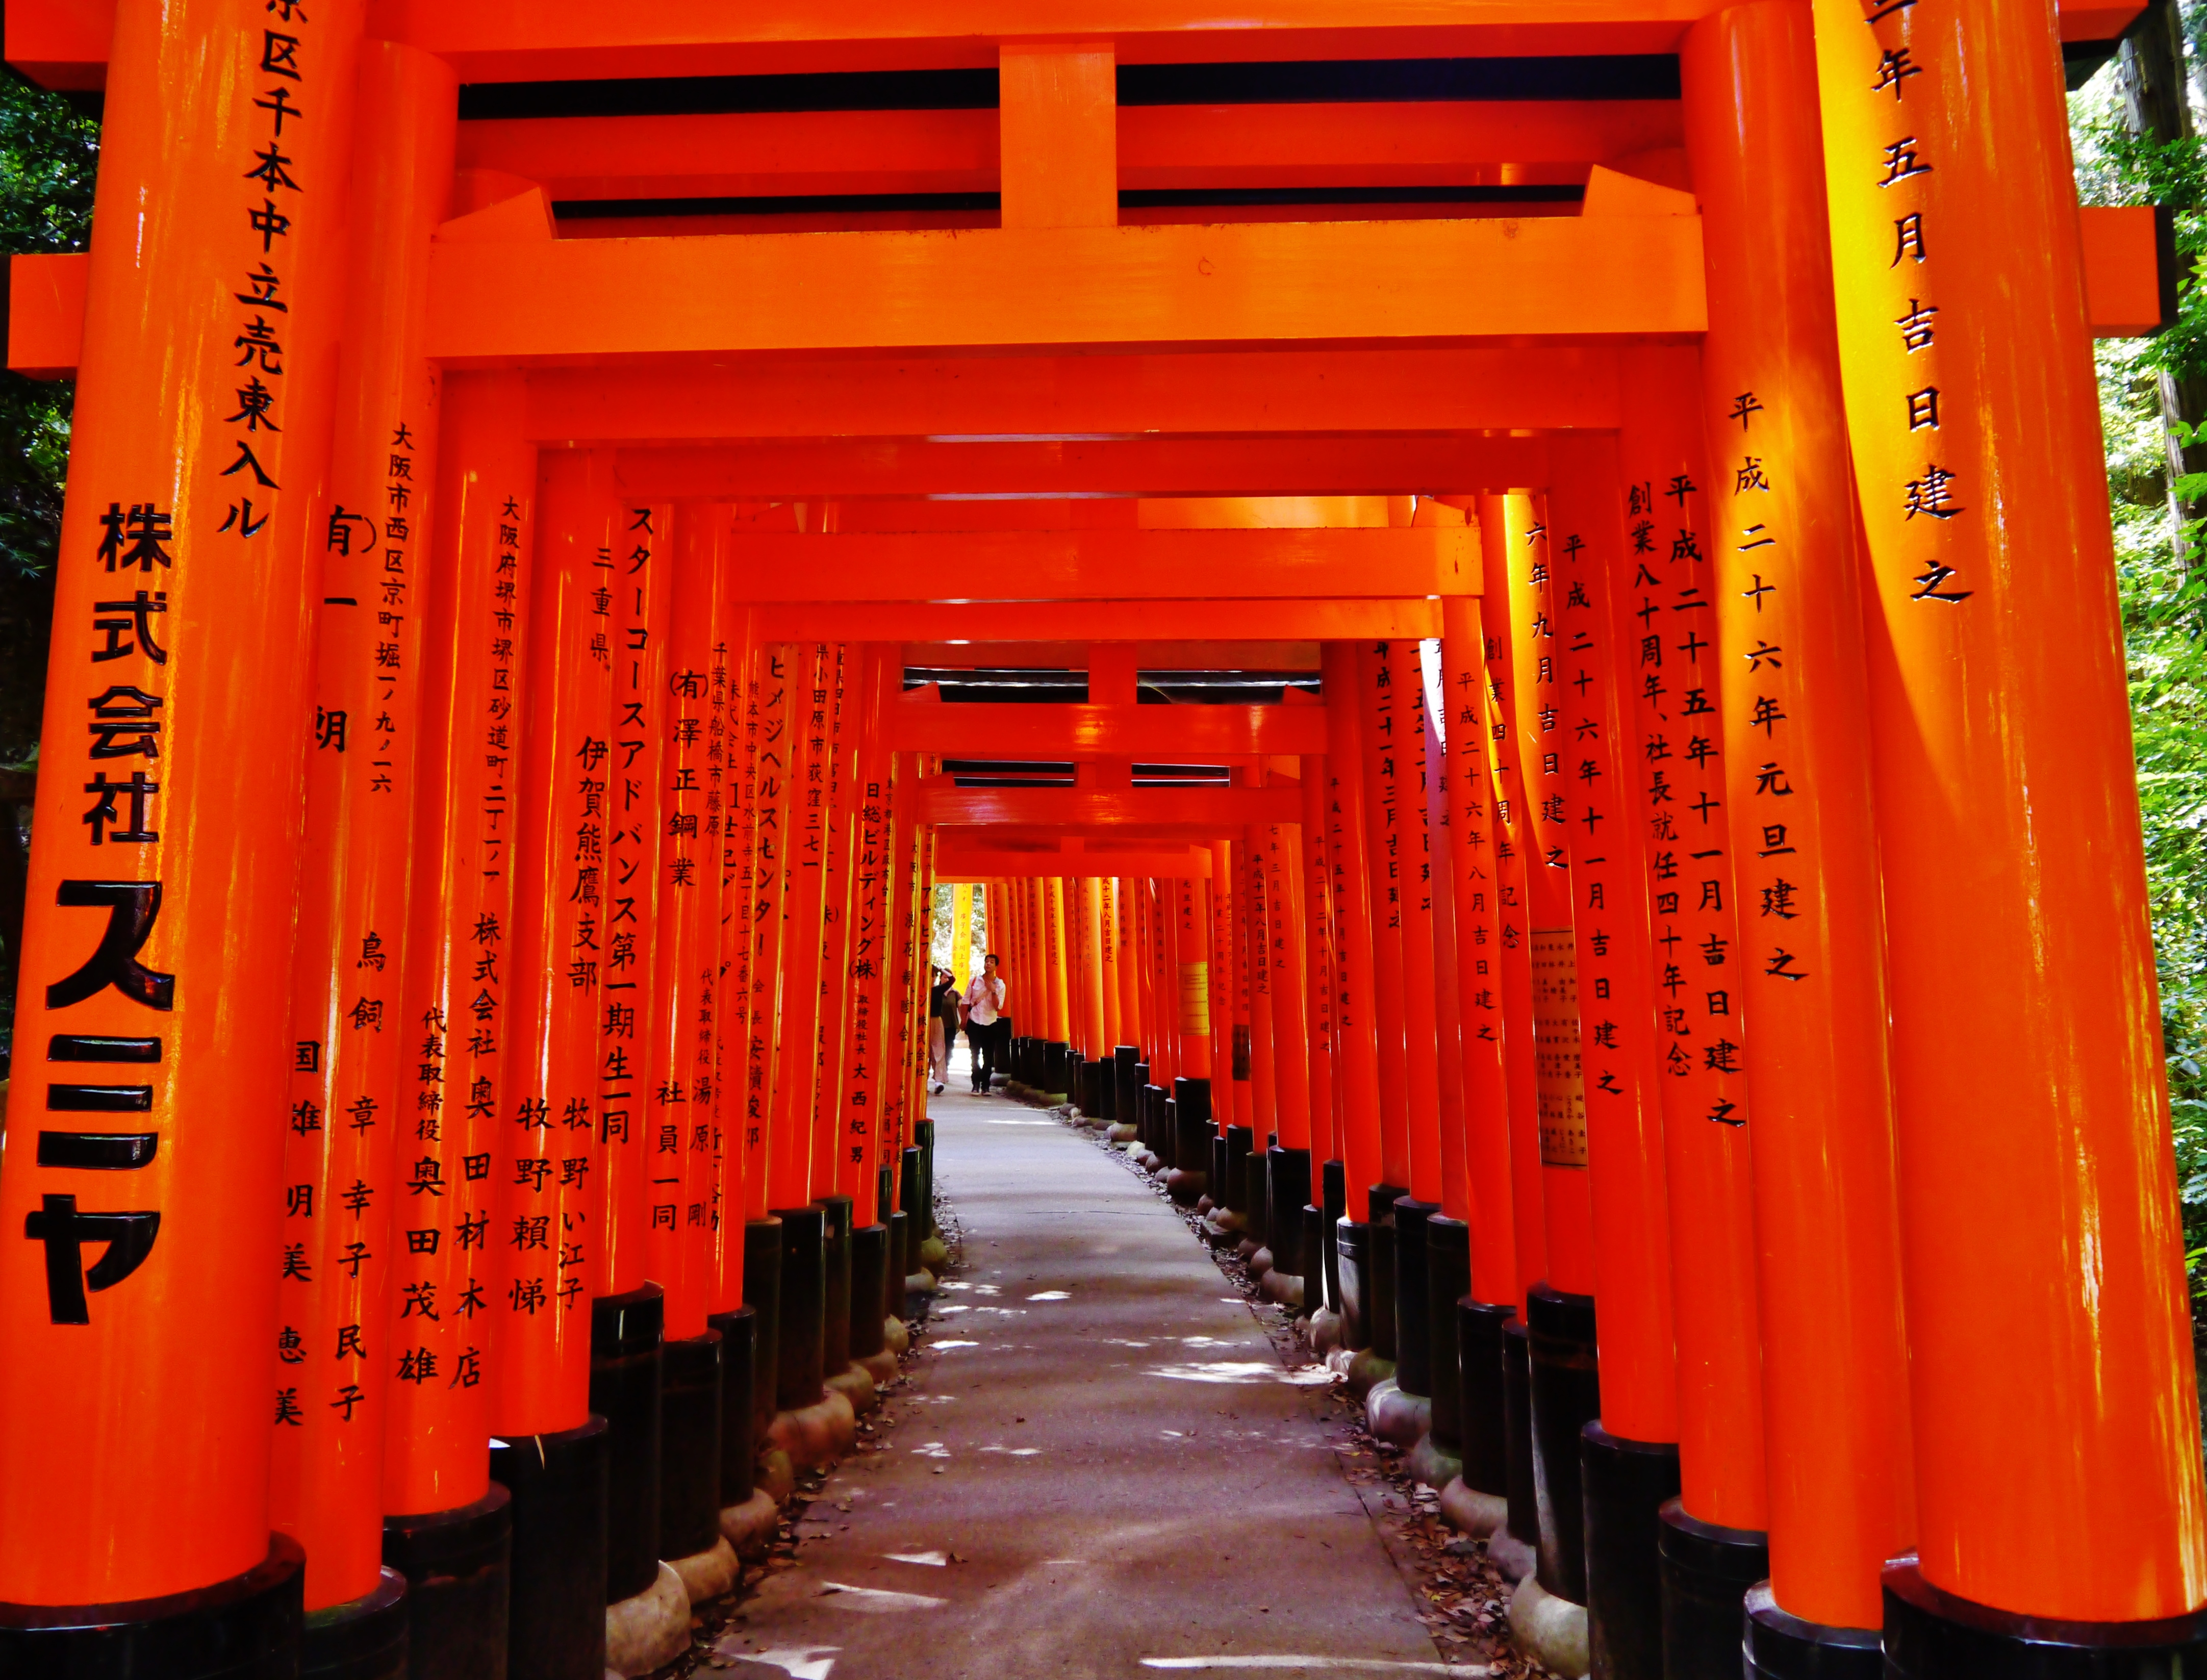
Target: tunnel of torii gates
582,515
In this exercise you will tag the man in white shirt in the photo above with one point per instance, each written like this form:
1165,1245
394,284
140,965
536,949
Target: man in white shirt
984,998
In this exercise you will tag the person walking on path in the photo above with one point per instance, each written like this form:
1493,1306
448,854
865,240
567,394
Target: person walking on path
941,1027
984,998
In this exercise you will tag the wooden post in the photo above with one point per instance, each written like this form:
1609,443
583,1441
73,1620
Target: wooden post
1384,740
344,1208
170,840
2049,1355
640,582
1818,1064
1666,640
460,942
1515,555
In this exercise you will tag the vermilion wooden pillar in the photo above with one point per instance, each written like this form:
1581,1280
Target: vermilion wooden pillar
774,803
1318,978
550,1226
791,1043
830,1161
1666,644
1053,915
1228,1048
1384,728
343,1154
1127,921
554,1213
638,575
1280,844
1840,1482
153,1013
2050,1360
460,947
1256,943
1191,940
1356,1044
1472,839
1516,554
1513,846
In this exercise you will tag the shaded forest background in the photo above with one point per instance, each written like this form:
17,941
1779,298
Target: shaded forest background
49,153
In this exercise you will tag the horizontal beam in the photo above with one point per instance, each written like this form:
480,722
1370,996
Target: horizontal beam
956,861
777,154
1109,809
1153,655
1019,566
1473,388
1152,734
65,43
1274,282
1361,463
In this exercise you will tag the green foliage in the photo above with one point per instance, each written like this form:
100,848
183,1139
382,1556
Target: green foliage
49,156
2162,573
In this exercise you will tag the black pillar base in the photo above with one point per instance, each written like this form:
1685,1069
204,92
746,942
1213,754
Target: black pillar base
1168,1143
1380,1298
1931,1632
1566,1391
1782,1647
1414,1329
923,1135
363,1639
1626,1484
870,1290
763,1295
1287,1197
246,1628
911,1187
1193,1132
804,1305
1332,1200
1057,1069
738,1330
458,1568
1352,1282
1517,1421
1479,1327
899,1262
689,1445
1448,1280
1707,1570
835,1300
557,1630
627,1331
1240,1142
1156,1128
1128,1080
1222,1189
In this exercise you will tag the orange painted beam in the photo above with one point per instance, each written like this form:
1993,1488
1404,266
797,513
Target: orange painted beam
497,40
1470,389
765,154
1108,565
1153,734
2123,290
1274,282
1148,655
65,43
1267,634
957,861
1273,464
1151,808
741,154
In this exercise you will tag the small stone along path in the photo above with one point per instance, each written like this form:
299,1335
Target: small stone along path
1105,1456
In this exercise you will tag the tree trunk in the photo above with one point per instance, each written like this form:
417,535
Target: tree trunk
2156,105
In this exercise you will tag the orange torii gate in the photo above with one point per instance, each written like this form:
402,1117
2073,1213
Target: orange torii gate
478,927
